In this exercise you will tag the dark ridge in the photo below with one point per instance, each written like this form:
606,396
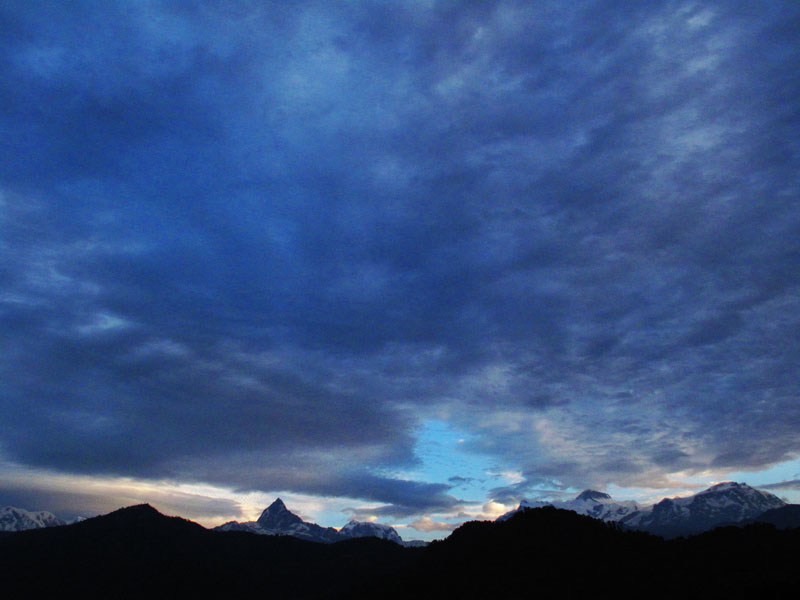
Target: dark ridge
137,552
575,556
785,517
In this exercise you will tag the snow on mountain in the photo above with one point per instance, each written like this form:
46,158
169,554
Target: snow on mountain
357,529
18,519
279,520
589,502
250,526
724,503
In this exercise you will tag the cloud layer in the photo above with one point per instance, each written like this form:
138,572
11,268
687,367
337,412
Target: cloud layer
257,246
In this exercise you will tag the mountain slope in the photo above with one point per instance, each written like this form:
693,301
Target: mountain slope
591,503
279,520
783,517
551,552
137,552
721,504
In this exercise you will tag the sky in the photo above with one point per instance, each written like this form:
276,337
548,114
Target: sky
402,261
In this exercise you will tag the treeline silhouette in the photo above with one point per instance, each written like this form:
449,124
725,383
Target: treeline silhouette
137,552
546,552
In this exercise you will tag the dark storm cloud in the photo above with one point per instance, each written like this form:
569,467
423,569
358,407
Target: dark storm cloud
255,245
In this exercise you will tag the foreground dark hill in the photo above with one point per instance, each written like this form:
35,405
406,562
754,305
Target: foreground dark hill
725,503
546,552
785,517
139,553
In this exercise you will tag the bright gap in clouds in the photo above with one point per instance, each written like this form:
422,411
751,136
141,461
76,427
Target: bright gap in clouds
209,505
445,457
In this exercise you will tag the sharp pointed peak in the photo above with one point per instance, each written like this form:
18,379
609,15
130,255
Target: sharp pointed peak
277,505
277,513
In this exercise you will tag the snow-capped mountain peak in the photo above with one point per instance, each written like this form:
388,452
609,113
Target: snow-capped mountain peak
589,502
277,504
357,529
18,519
728,502
725,485
276,519
276,516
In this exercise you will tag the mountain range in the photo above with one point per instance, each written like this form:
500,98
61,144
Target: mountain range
137,552
722,504
591,503
17,519
276,519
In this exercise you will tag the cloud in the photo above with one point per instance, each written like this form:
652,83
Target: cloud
492,509
428,524
782,485
89,496
257,247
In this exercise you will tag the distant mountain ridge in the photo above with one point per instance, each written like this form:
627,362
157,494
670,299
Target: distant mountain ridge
18,519
276,519
722,504
279,520
591,503
359,529
783,517
136,552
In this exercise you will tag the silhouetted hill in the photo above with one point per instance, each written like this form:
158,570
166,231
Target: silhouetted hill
543,552
785,517
550,552
137,552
